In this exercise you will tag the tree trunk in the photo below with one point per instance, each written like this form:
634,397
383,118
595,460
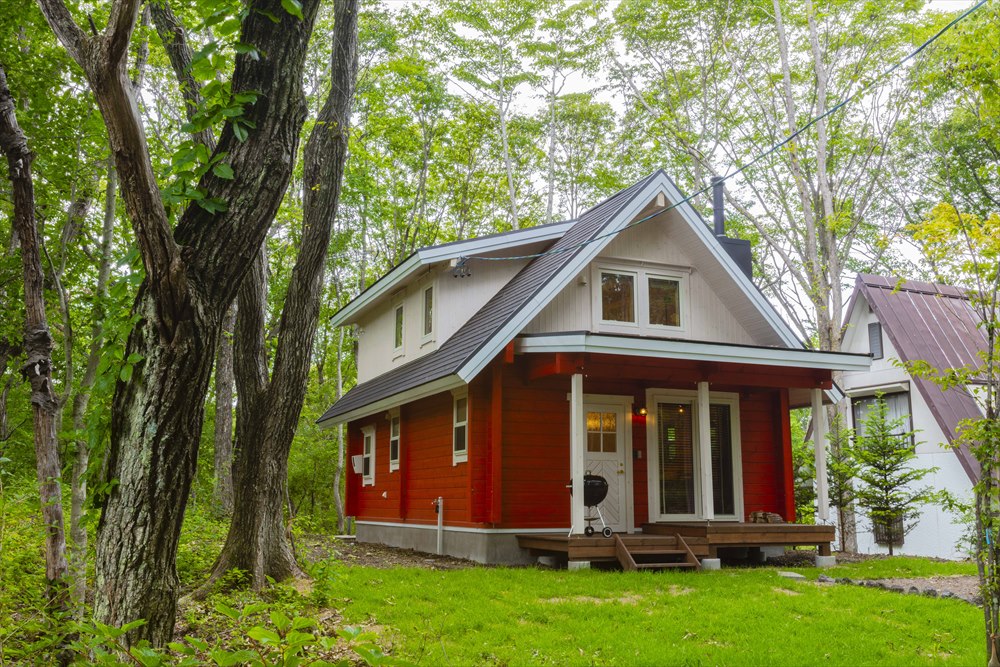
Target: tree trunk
192,274
38,348
224,417
268,411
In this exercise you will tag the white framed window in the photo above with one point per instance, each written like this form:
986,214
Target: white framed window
640,300
897,408
368,456
427,314
397,331
460,429
394,439
618,296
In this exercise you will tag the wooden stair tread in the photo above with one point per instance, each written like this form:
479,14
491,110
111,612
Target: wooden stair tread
663,566
625,553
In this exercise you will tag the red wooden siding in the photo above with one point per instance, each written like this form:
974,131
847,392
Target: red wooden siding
518,463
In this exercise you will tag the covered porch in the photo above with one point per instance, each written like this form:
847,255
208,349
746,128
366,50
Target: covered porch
693,438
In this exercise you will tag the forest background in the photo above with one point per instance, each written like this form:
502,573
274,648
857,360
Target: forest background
463,124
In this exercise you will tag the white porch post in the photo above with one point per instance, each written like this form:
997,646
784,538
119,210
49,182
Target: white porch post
819,445
576,452
705,452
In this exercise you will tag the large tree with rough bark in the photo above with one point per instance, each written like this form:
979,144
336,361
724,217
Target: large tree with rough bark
193,269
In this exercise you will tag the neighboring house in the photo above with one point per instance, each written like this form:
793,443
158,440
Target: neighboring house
495,372
901,321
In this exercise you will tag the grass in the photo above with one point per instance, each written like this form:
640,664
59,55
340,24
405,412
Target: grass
895,567
732,617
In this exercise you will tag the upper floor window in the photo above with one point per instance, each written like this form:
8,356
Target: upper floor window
428,325
368,456
460,430
875,340
397,334
640,301
394,440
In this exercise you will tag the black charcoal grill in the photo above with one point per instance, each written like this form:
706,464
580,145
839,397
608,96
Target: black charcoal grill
595,490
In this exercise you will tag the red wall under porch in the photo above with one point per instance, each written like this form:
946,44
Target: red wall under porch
523,483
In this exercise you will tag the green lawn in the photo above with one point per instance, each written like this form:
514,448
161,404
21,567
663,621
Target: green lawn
732,617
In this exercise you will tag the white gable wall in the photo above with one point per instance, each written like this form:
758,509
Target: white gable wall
455,301
663,243
935,534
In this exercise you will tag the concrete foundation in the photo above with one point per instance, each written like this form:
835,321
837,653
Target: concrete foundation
480,546
711,564
826,561
578,565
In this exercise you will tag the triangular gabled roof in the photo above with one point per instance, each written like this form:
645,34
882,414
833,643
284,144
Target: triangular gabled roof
460,358
933,323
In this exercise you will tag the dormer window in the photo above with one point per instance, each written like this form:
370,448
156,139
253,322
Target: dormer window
645,301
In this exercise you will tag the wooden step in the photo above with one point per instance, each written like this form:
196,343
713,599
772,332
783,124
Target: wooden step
654,557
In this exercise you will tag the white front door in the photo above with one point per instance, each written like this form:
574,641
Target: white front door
606,444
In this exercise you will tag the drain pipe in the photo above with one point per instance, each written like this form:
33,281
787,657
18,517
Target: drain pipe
439,509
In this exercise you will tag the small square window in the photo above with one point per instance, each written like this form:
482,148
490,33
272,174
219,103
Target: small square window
617,297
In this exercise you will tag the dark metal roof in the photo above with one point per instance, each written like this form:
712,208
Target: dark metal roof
477,332
932,323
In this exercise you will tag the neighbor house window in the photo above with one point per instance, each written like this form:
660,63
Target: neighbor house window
428,311
617,297
664,302
394,440
397,335
897,407
460,430
368,456
875,340
888,531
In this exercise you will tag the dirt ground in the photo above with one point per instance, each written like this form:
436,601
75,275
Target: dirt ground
380,556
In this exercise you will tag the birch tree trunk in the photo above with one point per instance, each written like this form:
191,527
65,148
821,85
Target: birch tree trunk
38,348
223,489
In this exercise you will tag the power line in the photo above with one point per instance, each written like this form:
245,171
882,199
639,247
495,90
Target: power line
784,142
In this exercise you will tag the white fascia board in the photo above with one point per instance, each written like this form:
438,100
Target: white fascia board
871,390
698,351
442,253
423,391
523,317
708,238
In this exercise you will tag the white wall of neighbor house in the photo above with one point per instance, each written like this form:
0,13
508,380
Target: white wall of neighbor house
937,531
659,247
455,301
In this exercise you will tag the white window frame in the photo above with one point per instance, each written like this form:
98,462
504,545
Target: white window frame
368,435
690,398
642,273
425,335
394,420
398,310
456,455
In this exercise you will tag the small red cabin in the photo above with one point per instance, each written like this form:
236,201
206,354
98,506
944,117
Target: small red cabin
629,343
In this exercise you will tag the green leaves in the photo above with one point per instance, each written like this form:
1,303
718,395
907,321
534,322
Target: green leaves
293,7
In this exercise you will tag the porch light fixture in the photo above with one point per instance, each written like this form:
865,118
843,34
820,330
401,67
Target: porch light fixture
640,412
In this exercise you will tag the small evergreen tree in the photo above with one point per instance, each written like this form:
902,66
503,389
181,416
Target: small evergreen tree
884,452
841,471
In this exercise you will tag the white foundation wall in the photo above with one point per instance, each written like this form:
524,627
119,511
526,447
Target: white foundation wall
936,532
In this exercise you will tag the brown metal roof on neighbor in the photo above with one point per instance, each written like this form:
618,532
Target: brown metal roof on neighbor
459,348
936,324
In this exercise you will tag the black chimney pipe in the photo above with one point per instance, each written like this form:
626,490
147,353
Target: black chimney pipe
718,212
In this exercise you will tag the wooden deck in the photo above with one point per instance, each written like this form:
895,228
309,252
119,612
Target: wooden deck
703,539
